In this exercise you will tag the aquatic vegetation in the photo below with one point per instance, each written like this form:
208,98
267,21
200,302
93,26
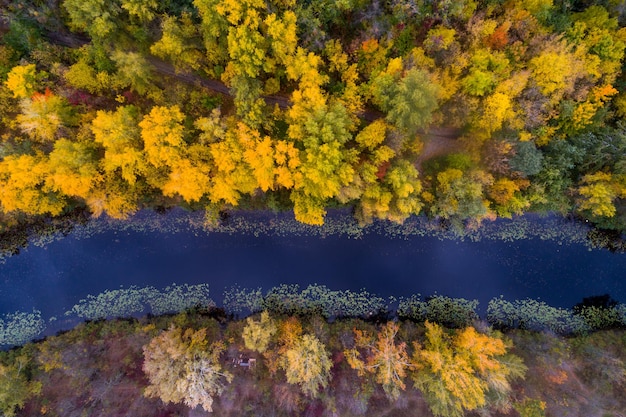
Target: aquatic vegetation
534,315
314,299
176,298
126,302
450,312
19,328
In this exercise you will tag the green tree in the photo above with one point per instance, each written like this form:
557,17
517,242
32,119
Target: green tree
96,17
133,70
143,10
412,101
178,43
182,367
461,194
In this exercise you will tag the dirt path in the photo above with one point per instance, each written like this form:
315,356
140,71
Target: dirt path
439,141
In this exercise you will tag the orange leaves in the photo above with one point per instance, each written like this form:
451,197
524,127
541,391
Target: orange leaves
499,38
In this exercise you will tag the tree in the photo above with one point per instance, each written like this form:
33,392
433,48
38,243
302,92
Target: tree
119,133
214,28
554,70
528,160
182,367
505,193
258,334
307,364
114,196
96,17
227,141
414,101
82,75
15,389
178,43
460,194
458,373
142,10
599,191
162,133
73,168
23,188
22,80
43,115
384,357
394,197
133,70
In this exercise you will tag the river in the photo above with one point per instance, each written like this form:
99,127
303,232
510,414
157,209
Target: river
54,277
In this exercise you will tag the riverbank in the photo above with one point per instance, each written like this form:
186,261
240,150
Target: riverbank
97,368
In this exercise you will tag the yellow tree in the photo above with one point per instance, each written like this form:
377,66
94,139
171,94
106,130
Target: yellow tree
162,133
505,193
230,175
257,335
118,132
307,363
22,80
182,367
393,197
384,357
456,373
115,197
23,186
73,168
321,130
555,70
598,192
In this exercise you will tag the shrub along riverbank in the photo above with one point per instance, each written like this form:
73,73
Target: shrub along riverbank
273,364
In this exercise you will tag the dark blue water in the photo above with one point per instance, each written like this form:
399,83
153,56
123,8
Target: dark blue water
54,278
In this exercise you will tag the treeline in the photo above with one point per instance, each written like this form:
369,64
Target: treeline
279,365
328,103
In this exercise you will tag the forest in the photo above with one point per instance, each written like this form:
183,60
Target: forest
203,362
462,111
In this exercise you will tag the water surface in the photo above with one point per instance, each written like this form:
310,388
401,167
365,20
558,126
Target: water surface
53,278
